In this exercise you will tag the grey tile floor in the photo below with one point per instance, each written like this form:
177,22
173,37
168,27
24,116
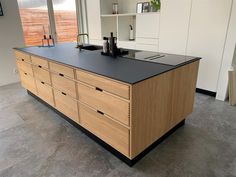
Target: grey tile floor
36,142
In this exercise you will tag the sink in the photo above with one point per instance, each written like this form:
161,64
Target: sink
91,47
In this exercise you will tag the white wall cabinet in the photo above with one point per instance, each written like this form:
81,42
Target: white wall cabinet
147,25
94,21
147,31
207,34
174,25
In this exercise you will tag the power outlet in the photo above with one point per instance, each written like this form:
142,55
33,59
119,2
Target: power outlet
15,71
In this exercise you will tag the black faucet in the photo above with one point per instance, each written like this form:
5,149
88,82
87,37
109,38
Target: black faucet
80,44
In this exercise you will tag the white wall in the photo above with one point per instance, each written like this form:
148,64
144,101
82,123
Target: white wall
11,35
229,53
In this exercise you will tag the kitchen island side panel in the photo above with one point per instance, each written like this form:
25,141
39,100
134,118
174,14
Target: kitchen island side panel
160,103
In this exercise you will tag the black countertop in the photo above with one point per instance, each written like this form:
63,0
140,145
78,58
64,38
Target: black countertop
122,69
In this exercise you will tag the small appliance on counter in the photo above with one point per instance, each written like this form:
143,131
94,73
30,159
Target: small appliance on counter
110,47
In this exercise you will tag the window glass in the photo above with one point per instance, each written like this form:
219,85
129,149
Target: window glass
34,15
65,19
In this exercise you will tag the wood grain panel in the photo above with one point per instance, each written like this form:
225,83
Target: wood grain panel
106,103
42,74
63,84
45,92
151,105
109,131
22,56
106,84
184,86
39,62
160,103
28,82
62,69
66,105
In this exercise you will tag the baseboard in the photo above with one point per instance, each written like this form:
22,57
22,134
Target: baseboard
206,92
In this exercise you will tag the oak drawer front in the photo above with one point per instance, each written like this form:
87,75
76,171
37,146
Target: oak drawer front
63,84
109,131
106,103
28,81
45,92
66,105
26,67
42,74
39,62
103,83
22,56
62,70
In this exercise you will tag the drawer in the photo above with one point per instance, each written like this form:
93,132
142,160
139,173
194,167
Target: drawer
63,70
22,56
41,74
63,84
149,41
109,131
45,92
106,103
127,44
67,105
28,82
104,83
26,67
39,62
152,48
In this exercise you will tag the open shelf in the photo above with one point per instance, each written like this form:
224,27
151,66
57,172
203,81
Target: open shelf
109,24
124,28
145,25
128,14
119,15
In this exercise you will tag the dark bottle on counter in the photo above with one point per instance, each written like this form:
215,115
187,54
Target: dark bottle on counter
113,46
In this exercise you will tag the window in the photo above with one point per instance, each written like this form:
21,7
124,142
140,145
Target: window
65,20
35,17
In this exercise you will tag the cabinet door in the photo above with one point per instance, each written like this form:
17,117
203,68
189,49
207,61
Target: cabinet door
147,25
207,33
94,19
174,24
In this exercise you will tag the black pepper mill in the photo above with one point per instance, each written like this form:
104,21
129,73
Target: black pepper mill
113,47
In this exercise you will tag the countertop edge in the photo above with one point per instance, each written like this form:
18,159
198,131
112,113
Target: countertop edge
125,82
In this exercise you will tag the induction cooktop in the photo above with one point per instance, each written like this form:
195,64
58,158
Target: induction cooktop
155,57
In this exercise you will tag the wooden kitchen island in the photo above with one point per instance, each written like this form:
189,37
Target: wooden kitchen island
128,110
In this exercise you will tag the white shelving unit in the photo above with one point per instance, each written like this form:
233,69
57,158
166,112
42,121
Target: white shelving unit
120,23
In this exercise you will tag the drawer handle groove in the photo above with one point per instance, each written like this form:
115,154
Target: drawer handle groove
43,82
39,66
22,59
61,74
25,73
63,93
100,112
98,89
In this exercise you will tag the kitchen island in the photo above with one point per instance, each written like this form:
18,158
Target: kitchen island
126,105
